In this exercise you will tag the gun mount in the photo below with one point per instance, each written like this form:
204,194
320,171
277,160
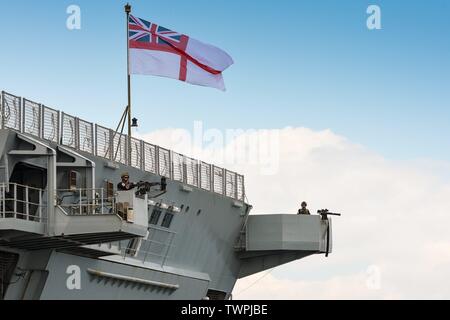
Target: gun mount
324,213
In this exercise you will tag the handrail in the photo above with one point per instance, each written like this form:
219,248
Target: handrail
35,119
13,206
20,185
151,247
86,201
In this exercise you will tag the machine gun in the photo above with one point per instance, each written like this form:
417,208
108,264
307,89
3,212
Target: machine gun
325,213
145,187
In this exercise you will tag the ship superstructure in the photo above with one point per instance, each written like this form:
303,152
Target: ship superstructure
66,232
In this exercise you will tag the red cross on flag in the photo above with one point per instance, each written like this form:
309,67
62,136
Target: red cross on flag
155,50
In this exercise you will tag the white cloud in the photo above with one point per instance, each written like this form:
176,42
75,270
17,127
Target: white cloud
396,217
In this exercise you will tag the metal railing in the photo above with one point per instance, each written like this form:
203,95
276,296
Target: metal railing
155,247
85,201
48,124
22,202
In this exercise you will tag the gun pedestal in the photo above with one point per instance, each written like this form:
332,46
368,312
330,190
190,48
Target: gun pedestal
324,213
134,208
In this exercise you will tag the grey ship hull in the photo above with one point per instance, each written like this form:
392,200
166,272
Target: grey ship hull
209,244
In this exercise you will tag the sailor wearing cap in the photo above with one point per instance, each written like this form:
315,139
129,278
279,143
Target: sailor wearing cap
125,184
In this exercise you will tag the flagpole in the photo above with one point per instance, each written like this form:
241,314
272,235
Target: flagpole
128,11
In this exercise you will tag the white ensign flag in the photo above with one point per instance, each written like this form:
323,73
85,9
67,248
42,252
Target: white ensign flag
155,50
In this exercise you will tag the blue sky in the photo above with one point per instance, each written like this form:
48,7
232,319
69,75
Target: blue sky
297,63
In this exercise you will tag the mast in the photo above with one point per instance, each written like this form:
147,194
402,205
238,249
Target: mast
128,11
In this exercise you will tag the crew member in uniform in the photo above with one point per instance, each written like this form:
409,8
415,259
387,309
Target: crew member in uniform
304,209
125,184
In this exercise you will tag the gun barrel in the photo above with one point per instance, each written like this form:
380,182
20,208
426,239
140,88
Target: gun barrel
334,214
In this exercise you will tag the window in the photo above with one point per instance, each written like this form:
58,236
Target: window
167,221
109,189
154,218
73,180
